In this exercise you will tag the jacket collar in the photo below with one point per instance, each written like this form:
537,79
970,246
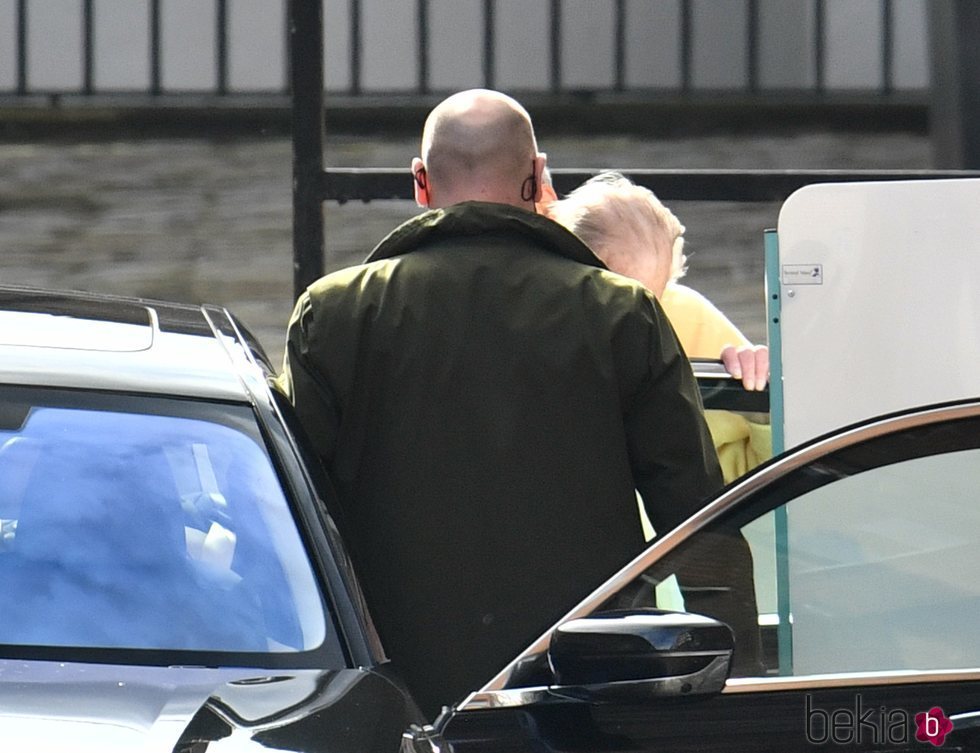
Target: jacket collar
473,218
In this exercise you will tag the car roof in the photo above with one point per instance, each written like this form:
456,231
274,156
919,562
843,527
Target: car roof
93,341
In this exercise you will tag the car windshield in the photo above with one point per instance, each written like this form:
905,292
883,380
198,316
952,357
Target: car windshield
147,523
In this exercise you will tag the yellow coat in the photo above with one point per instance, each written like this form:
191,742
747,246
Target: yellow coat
703,331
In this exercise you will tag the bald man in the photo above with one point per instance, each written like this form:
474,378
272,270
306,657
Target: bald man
478,146
486,398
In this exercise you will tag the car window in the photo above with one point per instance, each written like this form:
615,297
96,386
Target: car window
866,560
147,523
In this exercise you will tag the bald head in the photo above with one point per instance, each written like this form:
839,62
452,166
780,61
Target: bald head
479,145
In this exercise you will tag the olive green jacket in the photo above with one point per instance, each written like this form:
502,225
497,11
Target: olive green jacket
485,396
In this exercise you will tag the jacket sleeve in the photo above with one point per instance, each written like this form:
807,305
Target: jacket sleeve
306,385
675,467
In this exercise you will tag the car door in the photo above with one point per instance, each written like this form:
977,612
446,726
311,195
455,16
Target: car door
857,560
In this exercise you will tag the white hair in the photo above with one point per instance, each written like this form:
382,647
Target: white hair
609,207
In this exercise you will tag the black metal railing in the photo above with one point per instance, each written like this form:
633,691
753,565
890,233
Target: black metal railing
154,86
342,184
314,185
557,16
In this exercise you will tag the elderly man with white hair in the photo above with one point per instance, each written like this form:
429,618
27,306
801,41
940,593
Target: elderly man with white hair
636,235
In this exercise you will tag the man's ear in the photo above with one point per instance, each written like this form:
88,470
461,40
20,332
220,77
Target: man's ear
540,160
421,179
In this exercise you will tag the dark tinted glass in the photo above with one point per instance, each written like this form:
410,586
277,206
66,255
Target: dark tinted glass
864,559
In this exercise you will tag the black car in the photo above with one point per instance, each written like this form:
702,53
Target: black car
172,579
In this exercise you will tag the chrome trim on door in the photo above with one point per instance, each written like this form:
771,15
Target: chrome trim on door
505,699
850,679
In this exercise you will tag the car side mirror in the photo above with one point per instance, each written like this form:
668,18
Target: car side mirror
634,655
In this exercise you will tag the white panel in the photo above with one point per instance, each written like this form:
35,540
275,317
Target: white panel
8,44
389,51
336,45
853,44
786,44
189,60
892,319
588,46
455,44
122,45
523,54
910,69
54,45
720,36
653,44
256,45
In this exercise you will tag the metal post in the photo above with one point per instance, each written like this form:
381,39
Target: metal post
306,83
887,47
954,27
156,65
687,44
489,44
422,22
620,49
556,46
88,47
221,45
820,46
355,47
22,47
752,44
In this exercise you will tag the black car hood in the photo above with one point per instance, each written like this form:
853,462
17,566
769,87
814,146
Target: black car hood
54,706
